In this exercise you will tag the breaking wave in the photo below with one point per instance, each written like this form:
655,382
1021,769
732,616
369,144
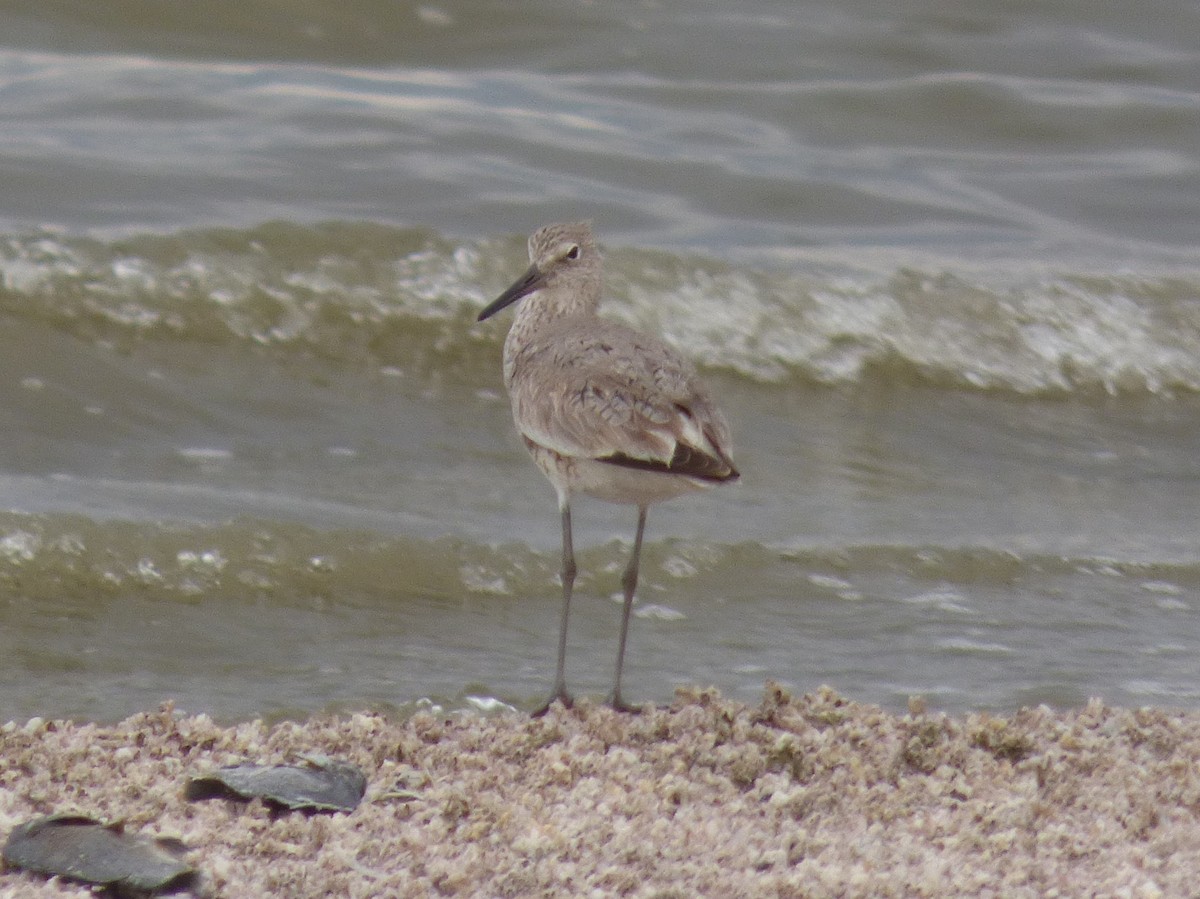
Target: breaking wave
372,295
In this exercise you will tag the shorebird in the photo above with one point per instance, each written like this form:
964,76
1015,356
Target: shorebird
604,410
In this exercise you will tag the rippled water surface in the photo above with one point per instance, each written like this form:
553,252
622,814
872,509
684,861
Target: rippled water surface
939,266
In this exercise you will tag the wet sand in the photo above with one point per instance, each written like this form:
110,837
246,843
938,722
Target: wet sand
812,795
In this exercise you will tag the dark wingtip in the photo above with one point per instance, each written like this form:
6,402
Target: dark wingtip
687,461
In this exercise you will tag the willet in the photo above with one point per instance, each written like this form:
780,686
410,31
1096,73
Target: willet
604,410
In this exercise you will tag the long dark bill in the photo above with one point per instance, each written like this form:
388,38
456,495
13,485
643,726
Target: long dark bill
526,284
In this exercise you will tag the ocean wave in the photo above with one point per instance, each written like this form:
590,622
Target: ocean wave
51,556
362,294
48,556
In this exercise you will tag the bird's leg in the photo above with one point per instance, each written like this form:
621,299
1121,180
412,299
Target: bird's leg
568,582
629,581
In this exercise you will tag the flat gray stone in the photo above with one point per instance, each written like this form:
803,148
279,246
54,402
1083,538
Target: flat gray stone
321,785
83,849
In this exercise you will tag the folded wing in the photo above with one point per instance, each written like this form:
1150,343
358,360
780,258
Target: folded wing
623,398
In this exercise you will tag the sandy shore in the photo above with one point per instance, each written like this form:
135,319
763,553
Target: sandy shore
799,796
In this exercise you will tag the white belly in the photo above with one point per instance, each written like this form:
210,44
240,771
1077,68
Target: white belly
612,483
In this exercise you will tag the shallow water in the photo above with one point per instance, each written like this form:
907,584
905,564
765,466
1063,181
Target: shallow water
940,269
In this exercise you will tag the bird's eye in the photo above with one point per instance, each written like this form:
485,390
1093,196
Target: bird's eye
573,253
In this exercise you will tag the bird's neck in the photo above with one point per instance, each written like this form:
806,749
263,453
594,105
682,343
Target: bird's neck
539,313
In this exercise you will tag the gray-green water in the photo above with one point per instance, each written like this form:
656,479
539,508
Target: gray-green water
940,267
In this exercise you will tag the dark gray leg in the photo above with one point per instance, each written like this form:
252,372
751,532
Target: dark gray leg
629,581
568,583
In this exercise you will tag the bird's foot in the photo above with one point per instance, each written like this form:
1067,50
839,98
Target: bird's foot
559,695
617,704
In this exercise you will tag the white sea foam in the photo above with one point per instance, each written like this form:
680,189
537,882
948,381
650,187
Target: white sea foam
1028,332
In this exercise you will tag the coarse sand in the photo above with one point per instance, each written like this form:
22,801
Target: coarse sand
802,796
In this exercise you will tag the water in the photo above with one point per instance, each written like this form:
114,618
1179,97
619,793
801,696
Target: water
939,267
